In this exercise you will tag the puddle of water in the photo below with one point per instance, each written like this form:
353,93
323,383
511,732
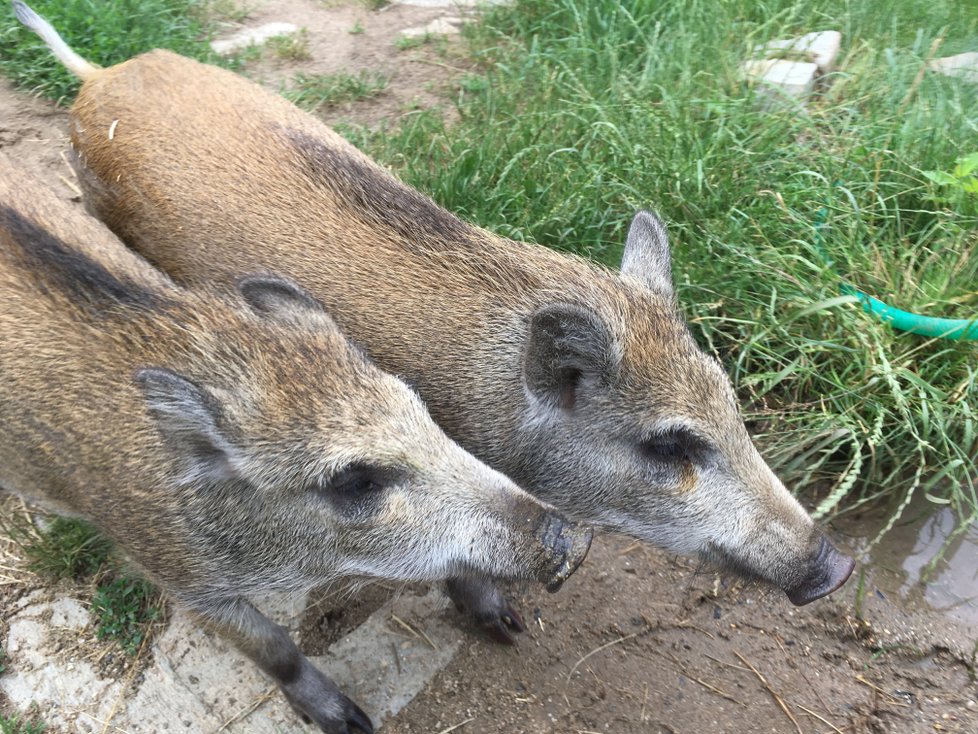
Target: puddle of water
901,563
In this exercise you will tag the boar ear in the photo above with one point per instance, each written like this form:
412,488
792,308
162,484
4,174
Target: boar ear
569,348
276,297
186,418
646,255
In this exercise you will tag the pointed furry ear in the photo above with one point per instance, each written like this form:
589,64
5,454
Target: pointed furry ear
279,298
569,348
646,255
186,418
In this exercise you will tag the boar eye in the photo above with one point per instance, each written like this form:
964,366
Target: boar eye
357,480
672,447
665,451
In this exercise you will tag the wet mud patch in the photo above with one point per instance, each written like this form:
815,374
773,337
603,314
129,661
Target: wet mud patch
639,641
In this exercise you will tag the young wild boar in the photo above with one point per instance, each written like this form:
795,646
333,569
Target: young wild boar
231,450
582,384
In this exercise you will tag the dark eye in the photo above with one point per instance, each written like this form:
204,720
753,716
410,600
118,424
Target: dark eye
672,447
355,481
664,450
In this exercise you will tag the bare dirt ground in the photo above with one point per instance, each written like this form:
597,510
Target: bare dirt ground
636,641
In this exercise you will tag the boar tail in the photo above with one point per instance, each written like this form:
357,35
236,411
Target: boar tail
74,63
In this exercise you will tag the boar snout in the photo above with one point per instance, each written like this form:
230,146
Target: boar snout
566,543
827,570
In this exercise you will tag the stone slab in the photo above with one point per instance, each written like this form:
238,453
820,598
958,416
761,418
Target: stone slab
450,3
437,27
820,48
961,66
252,37
197,682
793,78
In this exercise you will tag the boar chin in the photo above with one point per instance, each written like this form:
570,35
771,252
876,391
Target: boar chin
825,571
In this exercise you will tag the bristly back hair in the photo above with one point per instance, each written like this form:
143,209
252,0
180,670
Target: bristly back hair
59,268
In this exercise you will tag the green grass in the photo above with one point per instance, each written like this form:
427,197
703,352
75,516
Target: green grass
315,91
102,31
595,108
123,609
18,725
290,46
405,42
65,548
123,605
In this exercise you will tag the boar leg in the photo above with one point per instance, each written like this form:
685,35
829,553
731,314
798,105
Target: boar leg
482,600
314,696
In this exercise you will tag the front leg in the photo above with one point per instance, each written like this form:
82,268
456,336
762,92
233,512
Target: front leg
314,696
482,600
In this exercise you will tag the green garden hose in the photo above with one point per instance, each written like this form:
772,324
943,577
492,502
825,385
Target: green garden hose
914,323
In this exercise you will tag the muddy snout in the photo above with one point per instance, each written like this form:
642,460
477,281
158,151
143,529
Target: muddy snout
827,570
565,543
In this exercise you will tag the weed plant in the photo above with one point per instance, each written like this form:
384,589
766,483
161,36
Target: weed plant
104,32
594,108
291,46
18,725
124,605
313,92
123,609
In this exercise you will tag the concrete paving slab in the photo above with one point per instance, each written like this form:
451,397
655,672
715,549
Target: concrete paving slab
820,48
197,682
961,66
437,27
80,701
450,3
390,658
793,78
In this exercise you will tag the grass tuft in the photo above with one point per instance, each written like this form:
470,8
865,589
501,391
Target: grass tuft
65,548
291,46
313,92
104,32
407,42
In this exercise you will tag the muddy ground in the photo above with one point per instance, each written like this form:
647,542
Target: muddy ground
637,641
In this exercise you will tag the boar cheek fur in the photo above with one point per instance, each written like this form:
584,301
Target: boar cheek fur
445,304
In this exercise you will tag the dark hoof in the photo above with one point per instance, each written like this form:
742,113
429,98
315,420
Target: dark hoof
502,630
357,720
319,702
487,607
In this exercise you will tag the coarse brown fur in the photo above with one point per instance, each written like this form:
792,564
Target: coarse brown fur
232,447
582,384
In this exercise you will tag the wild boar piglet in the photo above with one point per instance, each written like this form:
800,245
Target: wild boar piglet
235,447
